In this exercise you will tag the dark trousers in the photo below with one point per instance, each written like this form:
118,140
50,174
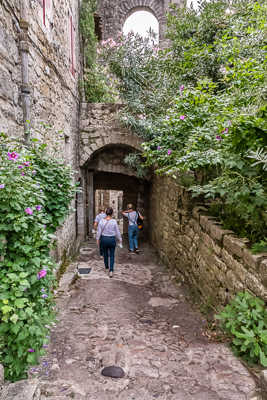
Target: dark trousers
108,244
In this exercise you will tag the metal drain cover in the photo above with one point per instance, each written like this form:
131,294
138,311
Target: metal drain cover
84,271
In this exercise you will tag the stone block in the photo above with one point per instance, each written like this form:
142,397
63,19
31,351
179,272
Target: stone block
216,231
23,390
197,210
210,243
253,283
1,375
263,272
234,246
253,260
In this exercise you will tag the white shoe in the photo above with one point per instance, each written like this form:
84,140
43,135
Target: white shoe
111,274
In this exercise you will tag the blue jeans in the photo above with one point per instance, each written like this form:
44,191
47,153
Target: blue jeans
133,237
108,244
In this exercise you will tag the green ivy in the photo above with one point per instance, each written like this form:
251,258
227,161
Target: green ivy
245,320
35,192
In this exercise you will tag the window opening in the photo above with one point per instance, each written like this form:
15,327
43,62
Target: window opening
98,28
44,12
72,46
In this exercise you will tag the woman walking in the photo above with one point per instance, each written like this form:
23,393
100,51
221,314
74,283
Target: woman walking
107,232
133,230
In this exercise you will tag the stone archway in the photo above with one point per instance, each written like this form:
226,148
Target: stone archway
114,14
104,144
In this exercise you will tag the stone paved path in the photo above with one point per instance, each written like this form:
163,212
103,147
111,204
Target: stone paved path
138,320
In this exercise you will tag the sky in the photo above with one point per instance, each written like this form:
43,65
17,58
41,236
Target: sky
140,22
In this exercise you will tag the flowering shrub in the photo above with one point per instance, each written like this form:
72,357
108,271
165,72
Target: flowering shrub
35,192
200,106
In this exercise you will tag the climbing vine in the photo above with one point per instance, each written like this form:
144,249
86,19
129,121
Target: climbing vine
200,106
95,83
36,189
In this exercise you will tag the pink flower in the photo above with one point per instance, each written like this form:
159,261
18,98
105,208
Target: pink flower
12,156
218,137
158,148
23,173
38,208
182,117
59,185
181,89
225,131
2,186
28,210
31,350
41,274
34,172
169,152
27,164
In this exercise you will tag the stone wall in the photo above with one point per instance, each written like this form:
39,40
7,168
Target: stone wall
212,260
46,33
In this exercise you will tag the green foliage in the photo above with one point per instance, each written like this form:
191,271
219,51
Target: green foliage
95,80
260,247
200,105
245,320
134,161
35,191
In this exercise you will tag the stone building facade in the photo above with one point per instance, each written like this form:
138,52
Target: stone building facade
39,71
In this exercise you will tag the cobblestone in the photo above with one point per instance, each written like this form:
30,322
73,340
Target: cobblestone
140,321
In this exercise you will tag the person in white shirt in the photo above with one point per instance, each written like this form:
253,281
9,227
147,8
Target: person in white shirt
107,233
133,230
98,218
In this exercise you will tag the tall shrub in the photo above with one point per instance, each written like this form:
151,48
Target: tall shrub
35,192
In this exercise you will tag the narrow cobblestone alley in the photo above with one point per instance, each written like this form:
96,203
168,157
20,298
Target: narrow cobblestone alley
138,320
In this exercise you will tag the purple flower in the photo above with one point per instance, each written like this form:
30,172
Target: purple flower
28,210
44,296
182,117
12,156
41,274
20,166
31,350
34,172
158,148
38,208
43,290
218,137
2,186
27,164
225,131
181,89
44,226
169,152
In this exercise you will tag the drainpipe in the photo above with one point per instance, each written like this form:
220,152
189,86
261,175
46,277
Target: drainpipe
24,53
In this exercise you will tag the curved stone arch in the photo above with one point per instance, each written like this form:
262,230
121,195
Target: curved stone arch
116,140
113,17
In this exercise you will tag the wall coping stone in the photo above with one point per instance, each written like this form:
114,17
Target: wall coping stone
253,260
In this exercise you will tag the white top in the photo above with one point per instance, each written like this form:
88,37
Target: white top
100,216
132,217
108,228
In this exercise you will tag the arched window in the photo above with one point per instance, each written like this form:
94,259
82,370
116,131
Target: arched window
141,22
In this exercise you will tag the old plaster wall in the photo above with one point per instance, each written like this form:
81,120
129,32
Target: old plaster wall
51,43
212,260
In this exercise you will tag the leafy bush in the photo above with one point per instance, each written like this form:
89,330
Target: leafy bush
200,105
245,320
35,192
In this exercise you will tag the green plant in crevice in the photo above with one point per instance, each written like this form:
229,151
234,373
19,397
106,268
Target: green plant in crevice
95,79
244,319
36,189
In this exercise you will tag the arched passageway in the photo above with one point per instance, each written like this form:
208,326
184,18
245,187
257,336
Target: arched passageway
142,21
107,170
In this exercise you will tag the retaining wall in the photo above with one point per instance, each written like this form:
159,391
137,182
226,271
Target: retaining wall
212,260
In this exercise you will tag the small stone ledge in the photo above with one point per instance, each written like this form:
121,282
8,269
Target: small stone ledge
253,260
